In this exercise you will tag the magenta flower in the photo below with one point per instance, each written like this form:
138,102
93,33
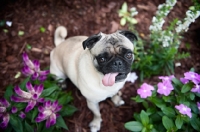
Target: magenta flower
32,96
184,81
48,112
183,109
33,69
192,76
196,89
165,88
198,105
22,115
4,116
166,78
14,109
145,90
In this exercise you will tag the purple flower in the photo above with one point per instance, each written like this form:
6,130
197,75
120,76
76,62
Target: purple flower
165,88
4,116
48,112
22,115
198,105
183,109
192,76
166,78
32,96
184,81
14,109
196,89
145,90
33,69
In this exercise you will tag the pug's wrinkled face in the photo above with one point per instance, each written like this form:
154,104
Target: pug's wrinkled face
113,55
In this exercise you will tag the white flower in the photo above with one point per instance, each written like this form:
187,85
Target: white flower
132,77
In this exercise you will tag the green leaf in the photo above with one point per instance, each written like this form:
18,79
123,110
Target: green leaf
179,122
186,87
16,123
2,23
23,84
167,122
20,33
68,110
192,96
28,46
124,7
138,99
65,99
177,82
168,111
195,122
42,29
144,118
61,123
9,92
34,114
133,126
123,21
48,91
28,127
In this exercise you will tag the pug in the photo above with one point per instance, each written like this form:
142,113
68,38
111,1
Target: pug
98,66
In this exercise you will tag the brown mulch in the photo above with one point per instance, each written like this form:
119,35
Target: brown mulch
82,17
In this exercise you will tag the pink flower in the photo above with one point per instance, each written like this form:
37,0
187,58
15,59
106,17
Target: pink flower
192,76
166,78
165,88
48,112
183,109
32,96
145,90
198,105
196,89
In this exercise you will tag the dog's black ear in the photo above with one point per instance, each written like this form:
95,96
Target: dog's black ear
91,41
130,35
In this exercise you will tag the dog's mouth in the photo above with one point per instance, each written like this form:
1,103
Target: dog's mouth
110,78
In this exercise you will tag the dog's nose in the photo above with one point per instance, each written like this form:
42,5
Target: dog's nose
118,64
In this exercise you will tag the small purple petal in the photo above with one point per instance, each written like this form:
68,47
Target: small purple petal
52,119
5,121
30,106
22,115
22,93
58,108
27,61
36,65
196,89
39,89
44,73
4,102
48,123
34,76
2,109
55,104
184,81
41,109
27,70
42,78
47,104
183,109
41,100
14,109
18,99
30,87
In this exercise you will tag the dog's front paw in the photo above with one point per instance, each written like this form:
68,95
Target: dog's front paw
95,125
117,100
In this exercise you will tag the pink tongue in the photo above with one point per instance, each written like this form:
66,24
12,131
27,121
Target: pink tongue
109,79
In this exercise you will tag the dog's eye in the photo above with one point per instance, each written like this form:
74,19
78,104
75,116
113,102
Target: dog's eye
129,56
102,60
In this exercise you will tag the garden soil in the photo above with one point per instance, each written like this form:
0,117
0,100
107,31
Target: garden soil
83,17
